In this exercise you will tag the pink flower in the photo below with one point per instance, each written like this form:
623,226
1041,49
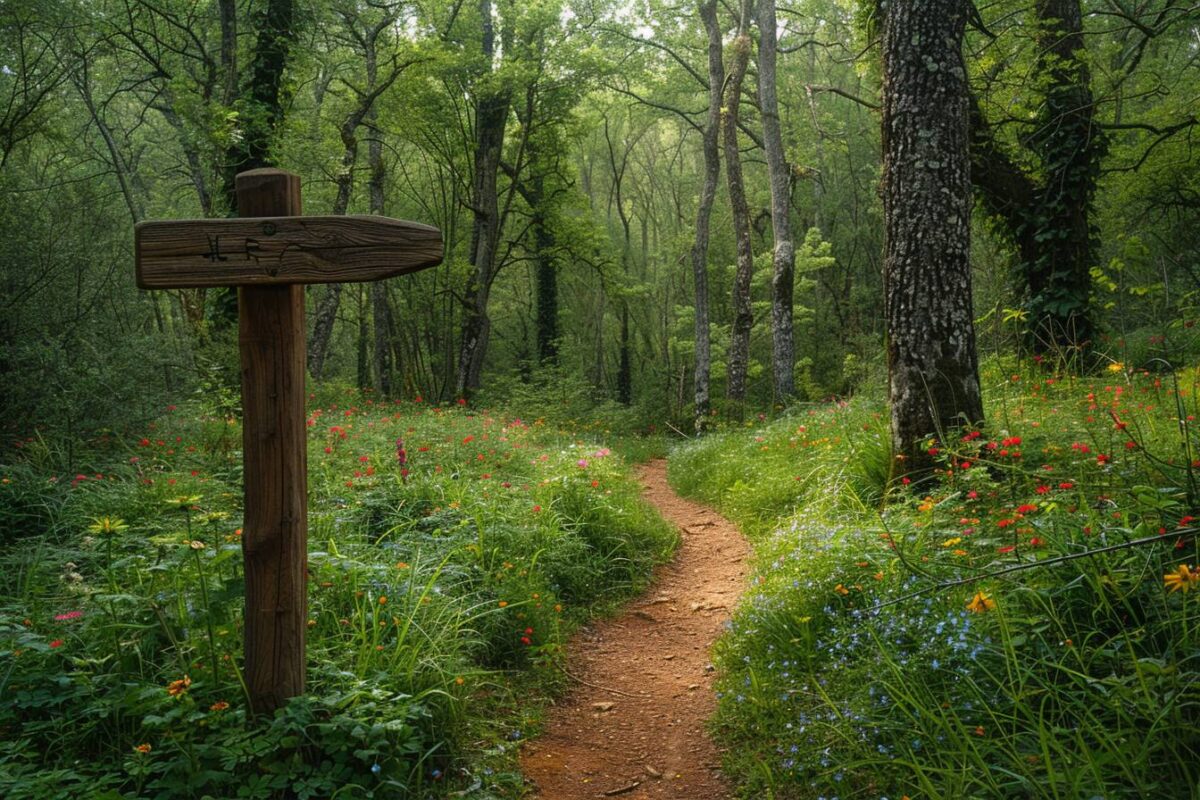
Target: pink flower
581,463
68,615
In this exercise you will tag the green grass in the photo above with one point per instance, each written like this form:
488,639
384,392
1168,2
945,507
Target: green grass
439,601
1077,679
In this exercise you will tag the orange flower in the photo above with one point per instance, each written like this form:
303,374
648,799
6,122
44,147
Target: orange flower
142,748
220,705
177,688
981,603
842,590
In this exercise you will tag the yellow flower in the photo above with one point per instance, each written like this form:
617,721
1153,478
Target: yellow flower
108,525
952,542
1183,579
1116,366
981,603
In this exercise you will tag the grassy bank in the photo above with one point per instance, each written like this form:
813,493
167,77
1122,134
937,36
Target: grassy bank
451,551
853,670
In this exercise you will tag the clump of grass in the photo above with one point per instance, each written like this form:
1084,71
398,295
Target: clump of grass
858,666
451,551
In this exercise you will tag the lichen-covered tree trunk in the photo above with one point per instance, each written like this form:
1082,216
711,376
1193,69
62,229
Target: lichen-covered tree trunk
932,364
712,173
779,175
743,313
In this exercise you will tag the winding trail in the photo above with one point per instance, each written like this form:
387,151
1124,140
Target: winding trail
633,725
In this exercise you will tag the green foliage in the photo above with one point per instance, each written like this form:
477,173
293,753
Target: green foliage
442,582
851,670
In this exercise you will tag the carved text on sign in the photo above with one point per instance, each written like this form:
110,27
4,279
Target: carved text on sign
278,250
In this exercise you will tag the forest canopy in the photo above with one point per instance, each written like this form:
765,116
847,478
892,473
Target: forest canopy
638,197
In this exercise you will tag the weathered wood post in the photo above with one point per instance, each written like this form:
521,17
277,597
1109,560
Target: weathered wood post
271,338
268,253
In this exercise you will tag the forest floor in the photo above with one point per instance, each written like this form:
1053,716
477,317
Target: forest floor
634,724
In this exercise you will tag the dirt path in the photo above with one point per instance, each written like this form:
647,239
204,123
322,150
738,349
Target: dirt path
633,726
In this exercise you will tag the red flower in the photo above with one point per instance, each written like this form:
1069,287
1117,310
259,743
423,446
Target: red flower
57,643
1008,548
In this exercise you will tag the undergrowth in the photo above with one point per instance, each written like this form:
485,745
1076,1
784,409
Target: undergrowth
450,553
852,670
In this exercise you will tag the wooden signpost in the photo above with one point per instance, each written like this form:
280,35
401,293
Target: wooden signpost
269,253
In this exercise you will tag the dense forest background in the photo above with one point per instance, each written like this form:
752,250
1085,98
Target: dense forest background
568,152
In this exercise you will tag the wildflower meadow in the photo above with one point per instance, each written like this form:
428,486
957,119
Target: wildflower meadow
451,551
1025,626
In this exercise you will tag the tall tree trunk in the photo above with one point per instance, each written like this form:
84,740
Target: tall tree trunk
712,173
380,309
743,313
932,365
491,116
327,307
228,14
362,362
779,174
624,359
262,107
365,109
547,272
1070,147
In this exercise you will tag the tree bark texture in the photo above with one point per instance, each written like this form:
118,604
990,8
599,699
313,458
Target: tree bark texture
712,173
491,116
932,364
743,313
783,258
